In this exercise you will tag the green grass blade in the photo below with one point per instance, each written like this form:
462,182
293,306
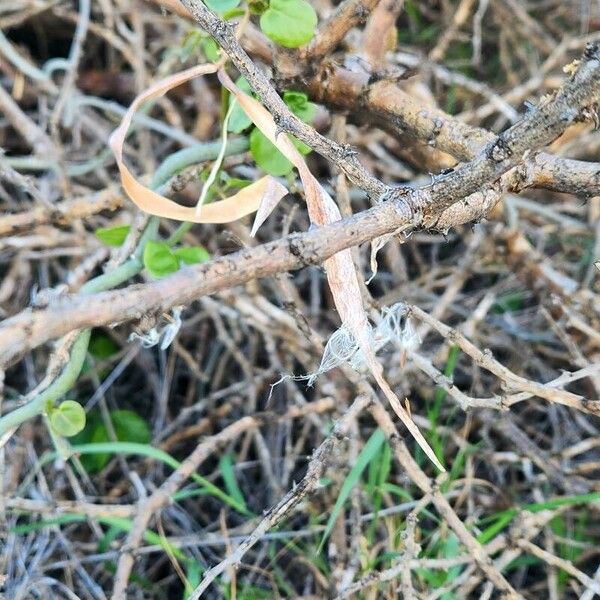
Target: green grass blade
563,501
230,481
366,455
493,530
160,455
118,523
39,525
434,410
504,518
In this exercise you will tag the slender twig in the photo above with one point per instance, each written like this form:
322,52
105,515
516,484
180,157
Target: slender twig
275,515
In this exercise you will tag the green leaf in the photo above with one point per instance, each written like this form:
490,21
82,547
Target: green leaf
193,574
299,104
267,157
68,418
300,146
220,6
210,49
112,236
160,455
231,484
159,259
289,23
128,426
239,120
266,154
191,255
102,346
191,41
233,13
509,302
366,455
258,7
233,182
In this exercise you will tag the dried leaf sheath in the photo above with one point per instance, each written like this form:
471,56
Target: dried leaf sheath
245,202
340,270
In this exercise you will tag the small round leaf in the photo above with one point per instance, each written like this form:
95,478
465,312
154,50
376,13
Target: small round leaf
289,23
299,104
68,418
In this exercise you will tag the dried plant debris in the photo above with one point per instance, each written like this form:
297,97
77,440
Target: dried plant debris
299,299
394,327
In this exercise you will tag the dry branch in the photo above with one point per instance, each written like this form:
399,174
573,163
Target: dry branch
401,207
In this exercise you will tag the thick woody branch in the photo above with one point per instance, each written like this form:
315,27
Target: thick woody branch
579,96
398,112
404,206
347,15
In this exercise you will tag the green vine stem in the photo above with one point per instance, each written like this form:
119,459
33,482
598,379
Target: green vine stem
60,386
68,376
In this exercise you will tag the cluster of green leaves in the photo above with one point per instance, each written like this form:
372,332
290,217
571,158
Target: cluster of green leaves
289,23
265,154
159,258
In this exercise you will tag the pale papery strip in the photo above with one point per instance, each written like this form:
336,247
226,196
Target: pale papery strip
341,273
243,203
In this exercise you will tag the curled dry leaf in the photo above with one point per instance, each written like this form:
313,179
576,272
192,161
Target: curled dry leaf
245,202
341,273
